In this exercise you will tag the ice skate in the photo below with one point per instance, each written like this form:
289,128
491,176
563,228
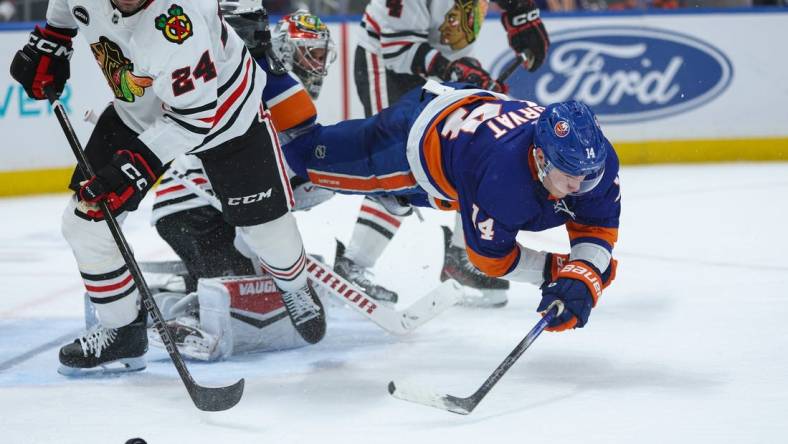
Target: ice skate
359,276
306,312
106,350
479,290
191,339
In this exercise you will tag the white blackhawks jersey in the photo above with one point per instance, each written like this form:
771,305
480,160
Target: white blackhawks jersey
181,77
398,30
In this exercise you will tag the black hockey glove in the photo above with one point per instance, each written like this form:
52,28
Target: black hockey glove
254,30
122,184
44,60
526,31
467,70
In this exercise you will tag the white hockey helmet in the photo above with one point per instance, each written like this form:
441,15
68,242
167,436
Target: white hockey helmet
302,42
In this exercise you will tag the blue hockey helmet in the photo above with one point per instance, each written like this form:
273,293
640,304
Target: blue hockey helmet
572,142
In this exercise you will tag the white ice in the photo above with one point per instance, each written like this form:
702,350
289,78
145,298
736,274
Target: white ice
689,345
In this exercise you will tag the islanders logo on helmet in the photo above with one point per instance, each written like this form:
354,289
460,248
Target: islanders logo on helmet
176,27
561,128
572,142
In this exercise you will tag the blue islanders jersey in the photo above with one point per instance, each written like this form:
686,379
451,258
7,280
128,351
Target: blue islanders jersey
468,150
286,98
478,152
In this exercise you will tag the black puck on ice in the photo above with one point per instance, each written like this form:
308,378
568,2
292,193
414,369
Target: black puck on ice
136,441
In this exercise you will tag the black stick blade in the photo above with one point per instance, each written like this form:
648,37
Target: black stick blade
216,399
462,406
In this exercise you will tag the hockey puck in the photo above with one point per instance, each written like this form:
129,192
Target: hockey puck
136,441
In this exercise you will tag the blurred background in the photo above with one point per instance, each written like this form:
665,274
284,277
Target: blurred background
671,81
31,10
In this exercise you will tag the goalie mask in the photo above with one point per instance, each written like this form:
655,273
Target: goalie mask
303,43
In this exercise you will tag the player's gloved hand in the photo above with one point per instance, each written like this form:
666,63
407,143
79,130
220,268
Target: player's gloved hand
122,184
44,60
467,70
579,286
553,264
525,30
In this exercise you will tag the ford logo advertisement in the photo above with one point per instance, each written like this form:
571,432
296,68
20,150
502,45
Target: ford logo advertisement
625,74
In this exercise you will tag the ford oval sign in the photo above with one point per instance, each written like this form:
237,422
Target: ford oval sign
625,74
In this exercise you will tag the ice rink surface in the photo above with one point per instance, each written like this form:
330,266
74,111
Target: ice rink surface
688,345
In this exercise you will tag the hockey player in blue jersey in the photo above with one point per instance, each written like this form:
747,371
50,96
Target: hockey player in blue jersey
506,165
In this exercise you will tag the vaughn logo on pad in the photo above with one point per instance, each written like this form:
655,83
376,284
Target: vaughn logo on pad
625,74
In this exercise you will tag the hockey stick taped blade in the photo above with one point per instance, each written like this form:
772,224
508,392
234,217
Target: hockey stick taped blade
432,304
425,397
216,399
399,322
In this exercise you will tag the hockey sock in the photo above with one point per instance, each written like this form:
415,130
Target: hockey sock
372,233
278,245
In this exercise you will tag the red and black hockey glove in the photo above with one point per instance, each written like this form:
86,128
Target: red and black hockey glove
466,70
122,184
44,60
526,31
578,285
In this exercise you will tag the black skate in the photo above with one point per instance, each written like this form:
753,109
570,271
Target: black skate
106,350
306,313
479,290
359,276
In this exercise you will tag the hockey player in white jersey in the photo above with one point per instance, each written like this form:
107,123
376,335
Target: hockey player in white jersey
182,81
401,44
228,310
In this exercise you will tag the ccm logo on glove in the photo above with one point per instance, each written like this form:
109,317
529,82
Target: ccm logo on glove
45,46
525,17
135,175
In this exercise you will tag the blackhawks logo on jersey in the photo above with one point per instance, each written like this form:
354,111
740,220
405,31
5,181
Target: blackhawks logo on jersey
118,70
176,27
462,23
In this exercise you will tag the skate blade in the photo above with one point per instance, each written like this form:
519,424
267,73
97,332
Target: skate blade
125,365
478,298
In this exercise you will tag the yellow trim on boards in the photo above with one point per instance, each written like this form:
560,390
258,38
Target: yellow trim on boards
702,151
15,183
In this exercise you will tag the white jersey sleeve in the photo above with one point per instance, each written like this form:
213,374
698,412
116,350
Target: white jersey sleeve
399,31
59,14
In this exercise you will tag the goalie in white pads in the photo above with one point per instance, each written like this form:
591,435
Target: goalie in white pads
182,81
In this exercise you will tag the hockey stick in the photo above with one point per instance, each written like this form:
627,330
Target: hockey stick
398,322
209,399
511,67
464,406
